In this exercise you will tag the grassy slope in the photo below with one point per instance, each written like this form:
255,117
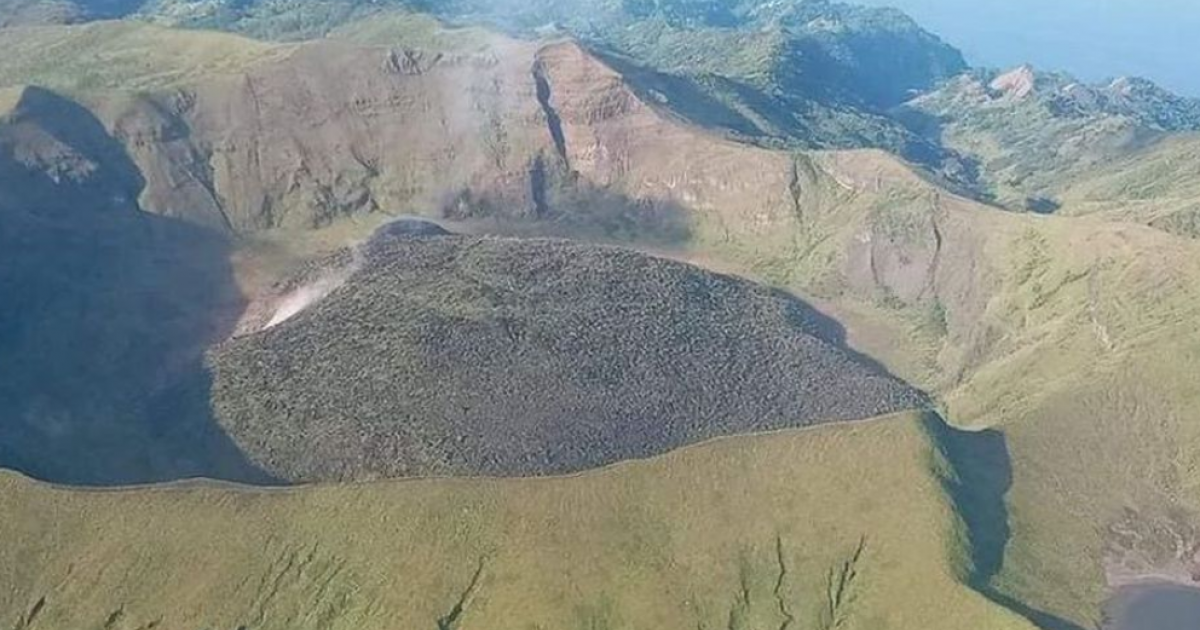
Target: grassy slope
756,67
132,57
414,30
1063,331
688,540
128,57
1021,352
1023,147
1073,335
182,116
1093,396
1129,158
738,42
1158,185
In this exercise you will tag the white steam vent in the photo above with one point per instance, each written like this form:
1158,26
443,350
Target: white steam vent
301,299
309,294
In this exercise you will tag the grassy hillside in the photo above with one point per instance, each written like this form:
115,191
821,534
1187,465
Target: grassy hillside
121,56
204,124
201,114
833,36
1156,185
415,30
1028,133
1073,336
809,530
1067,331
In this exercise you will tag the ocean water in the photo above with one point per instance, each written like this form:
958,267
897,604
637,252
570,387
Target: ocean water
1094,39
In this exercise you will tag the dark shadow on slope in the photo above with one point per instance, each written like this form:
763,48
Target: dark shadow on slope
90,10
978,482
683,96
1041,619
831,331
105,313
57,159
981,476
796,119
960,172
566,207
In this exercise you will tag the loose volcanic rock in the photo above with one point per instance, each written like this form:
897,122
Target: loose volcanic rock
468,356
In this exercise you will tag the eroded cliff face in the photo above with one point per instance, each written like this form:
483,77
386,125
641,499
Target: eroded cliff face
516,130
335,130
518,137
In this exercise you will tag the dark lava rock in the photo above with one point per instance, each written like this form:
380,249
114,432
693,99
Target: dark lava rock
408,227
469,356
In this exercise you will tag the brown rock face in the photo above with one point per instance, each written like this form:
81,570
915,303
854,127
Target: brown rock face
513,132
334,130
1015,84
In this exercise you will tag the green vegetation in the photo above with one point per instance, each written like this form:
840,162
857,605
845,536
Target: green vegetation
808,73
281,20
414,30
1030,134
831,46
1158,185
120,56
1071,337
200,125
810,530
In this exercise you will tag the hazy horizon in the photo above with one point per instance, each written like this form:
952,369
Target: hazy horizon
1094,39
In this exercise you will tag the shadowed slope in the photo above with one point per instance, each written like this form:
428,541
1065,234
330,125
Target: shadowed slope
104,313
56,158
